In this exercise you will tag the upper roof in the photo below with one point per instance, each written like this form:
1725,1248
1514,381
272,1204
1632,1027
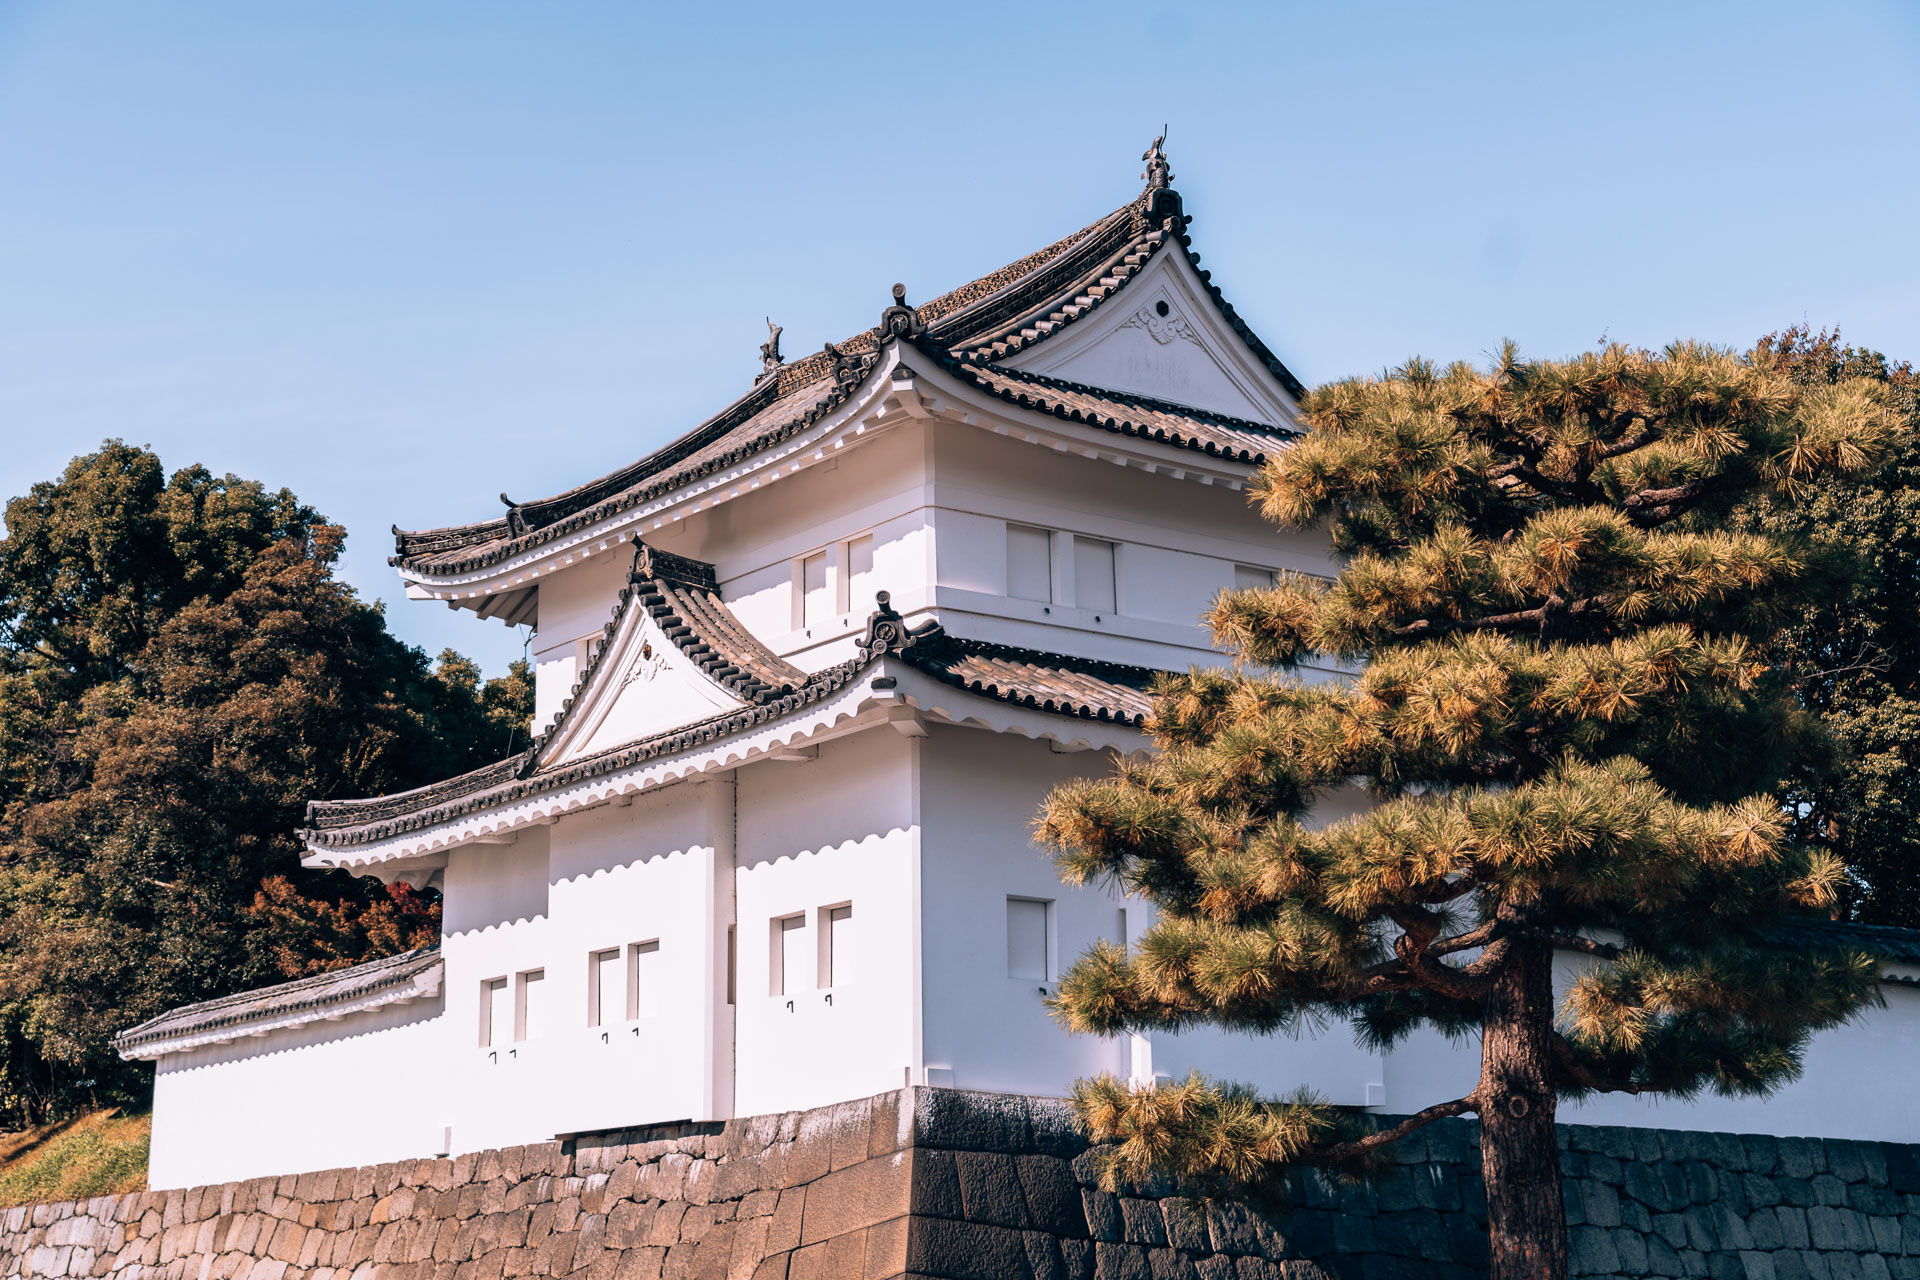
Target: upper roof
971,328
389,980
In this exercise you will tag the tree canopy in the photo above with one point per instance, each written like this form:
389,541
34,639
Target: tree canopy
1856,656
1571,741
180,672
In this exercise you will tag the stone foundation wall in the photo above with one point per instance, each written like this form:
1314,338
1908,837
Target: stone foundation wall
963,1186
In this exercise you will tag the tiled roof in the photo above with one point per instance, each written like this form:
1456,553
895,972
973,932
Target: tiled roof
1124,413
1055,683
287,1004
1888,944
1078,687
761,418
979,323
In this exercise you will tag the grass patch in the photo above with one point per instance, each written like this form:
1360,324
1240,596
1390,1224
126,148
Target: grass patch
97,1154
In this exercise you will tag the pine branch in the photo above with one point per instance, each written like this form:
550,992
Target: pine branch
1523,620
1585,1076
1573,942
1651,507
1373,1141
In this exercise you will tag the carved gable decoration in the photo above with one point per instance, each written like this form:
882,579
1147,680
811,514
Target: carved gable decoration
1164,337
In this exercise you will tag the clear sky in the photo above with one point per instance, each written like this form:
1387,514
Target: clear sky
400,257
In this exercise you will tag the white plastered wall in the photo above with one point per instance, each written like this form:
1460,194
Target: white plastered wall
842,828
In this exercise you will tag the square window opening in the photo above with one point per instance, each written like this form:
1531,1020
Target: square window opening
1029,939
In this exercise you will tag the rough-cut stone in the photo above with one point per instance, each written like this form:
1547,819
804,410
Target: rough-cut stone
942,1184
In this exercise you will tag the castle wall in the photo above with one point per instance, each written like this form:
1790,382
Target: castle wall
969,1186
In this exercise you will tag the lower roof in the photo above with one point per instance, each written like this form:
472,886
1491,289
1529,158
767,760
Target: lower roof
374,984
1056,683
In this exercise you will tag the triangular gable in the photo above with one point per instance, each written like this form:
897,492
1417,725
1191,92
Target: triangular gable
1162,335
672,655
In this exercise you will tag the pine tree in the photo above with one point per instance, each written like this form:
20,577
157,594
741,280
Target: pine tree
1566,736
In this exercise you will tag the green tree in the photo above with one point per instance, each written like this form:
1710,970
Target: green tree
179,673
1567,738
1856,658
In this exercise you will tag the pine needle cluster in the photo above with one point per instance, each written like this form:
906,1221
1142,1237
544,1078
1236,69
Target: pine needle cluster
1568,741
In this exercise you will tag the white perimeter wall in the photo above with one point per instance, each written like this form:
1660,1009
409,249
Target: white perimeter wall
315,1097
1856,1082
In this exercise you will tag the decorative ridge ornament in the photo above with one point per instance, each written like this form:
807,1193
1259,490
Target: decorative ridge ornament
1163,202
770,357
649,563
887,630
900,320
1159,174
516,519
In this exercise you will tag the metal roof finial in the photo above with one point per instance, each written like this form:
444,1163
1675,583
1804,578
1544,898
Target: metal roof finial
1159,174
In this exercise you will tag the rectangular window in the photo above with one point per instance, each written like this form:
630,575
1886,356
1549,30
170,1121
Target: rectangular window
789,935
733,962
836,941
1246,576
530,1008
859,576
816,605
1027,949
644,979
604,1004
496,1012
1093,575
1029,563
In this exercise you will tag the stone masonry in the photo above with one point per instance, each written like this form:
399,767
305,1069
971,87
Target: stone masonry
968,1186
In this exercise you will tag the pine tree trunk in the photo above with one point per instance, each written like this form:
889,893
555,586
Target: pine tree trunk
1519,1156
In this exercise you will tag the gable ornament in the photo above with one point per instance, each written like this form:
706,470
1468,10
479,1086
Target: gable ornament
1162,323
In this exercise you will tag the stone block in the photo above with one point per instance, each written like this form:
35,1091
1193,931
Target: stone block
964,1250
713,1254
1102,1212
1141,1222
805,1264
783,1232
890,1123
990,1189
959,1121
749,1247
850,1124
641,1264
855,1197
1052,1198
812,1153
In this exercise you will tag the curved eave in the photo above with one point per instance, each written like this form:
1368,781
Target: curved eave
422,982
884,691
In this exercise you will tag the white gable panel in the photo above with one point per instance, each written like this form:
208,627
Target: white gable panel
1162,336
648,687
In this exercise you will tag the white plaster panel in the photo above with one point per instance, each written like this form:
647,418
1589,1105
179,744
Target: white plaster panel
837,829
655,687
979,794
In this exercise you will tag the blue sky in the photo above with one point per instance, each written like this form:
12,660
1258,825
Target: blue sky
400,257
